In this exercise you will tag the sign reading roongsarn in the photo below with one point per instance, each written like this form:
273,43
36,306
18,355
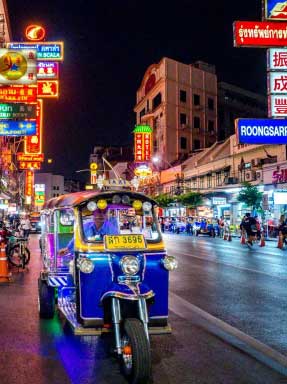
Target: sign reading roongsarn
261,131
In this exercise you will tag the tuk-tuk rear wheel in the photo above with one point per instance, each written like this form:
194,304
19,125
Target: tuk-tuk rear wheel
46,300
137,368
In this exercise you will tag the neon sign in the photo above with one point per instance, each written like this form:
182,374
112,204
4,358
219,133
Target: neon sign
29,165
20,111
48,88
47,70
17,128
29,182
29,157
18,93
143,143
18,67
52,51
33,144
35,33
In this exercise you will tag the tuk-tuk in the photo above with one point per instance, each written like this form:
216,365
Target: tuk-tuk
111,277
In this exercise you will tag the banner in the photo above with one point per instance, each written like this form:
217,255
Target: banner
18,67
18,93
18,111
17,128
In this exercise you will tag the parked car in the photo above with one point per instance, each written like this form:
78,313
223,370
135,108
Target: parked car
35,221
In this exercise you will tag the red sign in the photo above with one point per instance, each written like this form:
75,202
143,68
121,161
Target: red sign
35,33
29,165
18,93
279,176
27,157
142,147
33,144
259,34
29,182
48,88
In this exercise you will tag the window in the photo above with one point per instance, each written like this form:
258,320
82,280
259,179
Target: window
196,144
196,99
209,181
182,118
182,96
201,182
218,178
156,101
183,143
196,122
210,126
142,113
210,104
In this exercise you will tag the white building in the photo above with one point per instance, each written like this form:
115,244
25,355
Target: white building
54,184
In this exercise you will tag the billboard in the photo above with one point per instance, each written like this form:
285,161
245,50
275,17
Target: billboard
46,51
260,34
18,67
48,89
20,111
17,128
47,70
261,131
277,59
18,93
33,144
142,143
275,10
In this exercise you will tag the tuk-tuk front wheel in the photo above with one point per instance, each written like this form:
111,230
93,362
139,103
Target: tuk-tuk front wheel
46,300
136,356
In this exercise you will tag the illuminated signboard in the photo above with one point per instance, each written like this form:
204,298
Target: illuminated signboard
17,128
277,82
18,94
50,51
277,105
35,32
259,34
19,111
39,198
18,67
33,144
29,165
47,70
277,59
48,89
29,182
27,157
40,187
275,10
142,143
261,131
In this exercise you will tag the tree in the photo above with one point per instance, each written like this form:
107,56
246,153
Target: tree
250,195
163,200
191,199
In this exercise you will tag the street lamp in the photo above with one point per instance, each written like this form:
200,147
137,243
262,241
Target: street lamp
156,160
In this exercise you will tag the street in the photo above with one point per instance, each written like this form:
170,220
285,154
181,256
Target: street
218,285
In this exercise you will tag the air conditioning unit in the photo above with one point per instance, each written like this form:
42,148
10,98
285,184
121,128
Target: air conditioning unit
250,175
259,175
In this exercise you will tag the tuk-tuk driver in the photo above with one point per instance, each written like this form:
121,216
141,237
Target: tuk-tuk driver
100,226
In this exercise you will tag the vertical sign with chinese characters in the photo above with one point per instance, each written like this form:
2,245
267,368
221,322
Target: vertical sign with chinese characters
33,144
29,182
277,82
142,143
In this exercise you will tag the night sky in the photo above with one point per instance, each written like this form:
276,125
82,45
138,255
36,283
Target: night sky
108,47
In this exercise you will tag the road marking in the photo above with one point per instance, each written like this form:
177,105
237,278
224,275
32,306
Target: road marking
232,335
230,265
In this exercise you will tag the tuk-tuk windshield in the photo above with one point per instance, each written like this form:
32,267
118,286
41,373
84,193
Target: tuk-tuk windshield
119,215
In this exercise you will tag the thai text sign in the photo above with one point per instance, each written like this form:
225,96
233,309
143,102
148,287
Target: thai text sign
48,89
29,182
19,111
33,144
277,82
27,157
17,128
48,51
261,131
277,59
18,94
279,176
275,10
18,67
277,105
29,165
259,34
47,70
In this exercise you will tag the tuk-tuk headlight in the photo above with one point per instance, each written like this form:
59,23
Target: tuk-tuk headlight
170,263
85,265
130,265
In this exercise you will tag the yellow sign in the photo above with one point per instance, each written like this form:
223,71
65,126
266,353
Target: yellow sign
93,166
124,242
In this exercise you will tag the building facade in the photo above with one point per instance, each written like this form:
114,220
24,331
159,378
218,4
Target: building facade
179,102
54,184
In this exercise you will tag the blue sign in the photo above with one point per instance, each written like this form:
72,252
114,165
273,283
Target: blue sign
275,10
45,51
261,131
17,128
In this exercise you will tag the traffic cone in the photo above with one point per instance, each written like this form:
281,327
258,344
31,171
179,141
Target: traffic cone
242,240
229,236
280,241
262,241
5,276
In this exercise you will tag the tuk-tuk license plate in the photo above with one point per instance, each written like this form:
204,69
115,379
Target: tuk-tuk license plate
125,242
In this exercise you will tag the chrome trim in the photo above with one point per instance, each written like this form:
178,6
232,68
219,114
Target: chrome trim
143,314
116,316
120,295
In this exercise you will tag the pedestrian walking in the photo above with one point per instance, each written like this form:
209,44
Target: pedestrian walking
248,224
25,226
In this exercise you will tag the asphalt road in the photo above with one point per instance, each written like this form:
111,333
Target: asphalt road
243,288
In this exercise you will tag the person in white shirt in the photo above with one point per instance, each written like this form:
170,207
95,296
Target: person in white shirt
25,225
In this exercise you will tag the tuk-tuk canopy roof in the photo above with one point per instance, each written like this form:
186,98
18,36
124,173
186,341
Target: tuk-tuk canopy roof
77,198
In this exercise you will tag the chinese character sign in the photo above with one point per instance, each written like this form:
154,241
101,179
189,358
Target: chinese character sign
47,70
277,106
142,143
29,182
277,82
49,88
18,94
18,67
277,59
33,144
